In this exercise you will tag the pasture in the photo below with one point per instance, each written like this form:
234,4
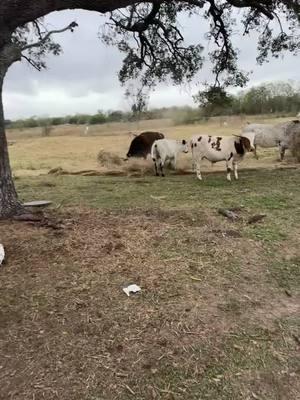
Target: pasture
218,314
68,148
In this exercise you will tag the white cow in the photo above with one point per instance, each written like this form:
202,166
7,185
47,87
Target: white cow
166,151
220,148
267,135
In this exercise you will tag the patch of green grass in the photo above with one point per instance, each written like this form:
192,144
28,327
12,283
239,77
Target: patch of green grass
267,233
273,201
275,193
286,273
257,190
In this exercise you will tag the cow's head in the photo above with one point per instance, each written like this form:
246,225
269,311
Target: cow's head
184,146
247,143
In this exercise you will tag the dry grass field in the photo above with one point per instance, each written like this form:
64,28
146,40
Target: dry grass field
68,148
218,314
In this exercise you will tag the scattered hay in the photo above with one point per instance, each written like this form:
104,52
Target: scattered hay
55,171
113,172
139,167
107,159
60,171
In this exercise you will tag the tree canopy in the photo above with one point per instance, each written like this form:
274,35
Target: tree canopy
150,37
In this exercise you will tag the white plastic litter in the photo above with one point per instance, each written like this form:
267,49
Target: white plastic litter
2,253
131,289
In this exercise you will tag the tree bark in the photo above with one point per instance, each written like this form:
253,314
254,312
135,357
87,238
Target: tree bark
9,203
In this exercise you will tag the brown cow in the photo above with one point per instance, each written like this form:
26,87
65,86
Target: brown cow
142,143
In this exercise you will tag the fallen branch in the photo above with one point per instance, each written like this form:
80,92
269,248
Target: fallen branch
228,214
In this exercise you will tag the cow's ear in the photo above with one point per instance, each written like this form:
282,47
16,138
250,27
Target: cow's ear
184,141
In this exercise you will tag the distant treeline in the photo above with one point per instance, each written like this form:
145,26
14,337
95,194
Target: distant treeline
270,98
282,98
86,119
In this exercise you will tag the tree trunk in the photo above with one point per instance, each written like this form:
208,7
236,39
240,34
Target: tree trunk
9,203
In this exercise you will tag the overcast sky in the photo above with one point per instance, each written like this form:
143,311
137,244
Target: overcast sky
84,78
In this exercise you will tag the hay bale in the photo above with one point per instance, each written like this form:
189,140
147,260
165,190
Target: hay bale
107,159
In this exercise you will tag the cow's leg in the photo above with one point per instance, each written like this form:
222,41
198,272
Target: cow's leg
161,164
173,163
193,160
156,171
193,166
228,168
281,152
198,170
235,168
255,151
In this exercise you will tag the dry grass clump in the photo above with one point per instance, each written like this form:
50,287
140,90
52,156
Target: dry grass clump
140,167
115,165
108,159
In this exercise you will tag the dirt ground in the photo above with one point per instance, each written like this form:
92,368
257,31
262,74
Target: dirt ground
218,314
209,322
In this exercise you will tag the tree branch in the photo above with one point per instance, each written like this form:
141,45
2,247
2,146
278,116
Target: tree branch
255,4
141,25
38,29
31,62
70,27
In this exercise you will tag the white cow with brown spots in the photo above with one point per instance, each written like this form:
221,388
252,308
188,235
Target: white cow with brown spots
230,149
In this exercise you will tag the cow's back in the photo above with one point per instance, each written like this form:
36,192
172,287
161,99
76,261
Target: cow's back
141,144
150,137
266,135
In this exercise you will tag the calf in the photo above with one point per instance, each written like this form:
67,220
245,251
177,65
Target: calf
166,151
142,143
219,148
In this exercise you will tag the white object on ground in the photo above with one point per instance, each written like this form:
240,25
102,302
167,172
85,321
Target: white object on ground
2,253
37,203
131,289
